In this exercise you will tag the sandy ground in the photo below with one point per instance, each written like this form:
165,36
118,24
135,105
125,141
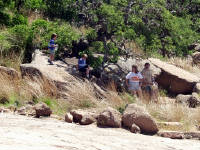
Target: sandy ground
26,133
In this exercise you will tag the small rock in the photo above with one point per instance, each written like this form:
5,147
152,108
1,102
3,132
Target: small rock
191,100
109,118
83,117
4,110
135,129
68,118
172,135
42,110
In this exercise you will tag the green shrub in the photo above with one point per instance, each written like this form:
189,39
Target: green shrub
19,19
5,19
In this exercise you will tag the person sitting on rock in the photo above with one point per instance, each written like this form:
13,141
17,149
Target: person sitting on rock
133,81
82,65
52,46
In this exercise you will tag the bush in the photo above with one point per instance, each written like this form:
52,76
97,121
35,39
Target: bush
19,19
5,19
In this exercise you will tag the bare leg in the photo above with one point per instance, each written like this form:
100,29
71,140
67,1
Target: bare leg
139,92
52,57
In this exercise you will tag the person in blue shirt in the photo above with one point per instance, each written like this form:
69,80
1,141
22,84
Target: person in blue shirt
82,65
52,46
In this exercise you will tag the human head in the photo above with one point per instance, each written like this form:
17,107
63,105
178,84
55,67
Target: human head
147,65
135,69
53,36
84,56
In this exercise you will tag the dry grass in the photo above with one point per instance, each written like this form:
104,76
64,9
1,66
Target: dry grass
12,61
186,64
172,112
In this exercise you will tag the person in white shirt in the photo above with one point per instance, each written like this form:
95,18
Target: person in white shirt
134,80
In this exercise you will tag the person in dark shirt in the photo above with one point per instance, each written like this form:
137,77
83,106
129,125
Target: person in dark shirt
52,46
82,65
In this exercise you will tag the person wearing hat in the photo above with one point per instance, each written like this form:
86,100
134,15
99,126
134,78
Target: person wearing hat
82,65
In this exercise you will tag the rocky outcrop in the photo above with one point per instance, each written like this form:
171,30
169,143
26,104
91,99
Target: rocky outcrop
83,117
191,100
174,79
10,72
109,118
137,115
42,109
55,78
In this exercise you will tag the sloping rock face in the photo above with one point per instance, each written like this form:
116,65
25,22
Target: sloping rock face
174,79
137,115
56,77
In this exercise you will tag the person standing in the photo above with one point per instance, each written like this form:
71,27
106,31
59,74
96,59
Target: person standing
82,65
134,80
148,80
52,46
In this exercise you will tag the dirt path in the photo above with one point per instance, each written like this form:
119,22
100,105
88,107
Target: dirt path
25,133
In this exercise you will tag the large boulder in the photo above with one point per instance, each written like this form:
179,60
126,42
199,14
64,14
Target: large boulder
137,115
191,100
174,79
109,118
83,117
42,109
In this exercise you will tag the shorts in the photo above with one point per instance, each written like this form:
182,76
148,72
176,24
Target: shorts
52,51
147,88
135,86
83,69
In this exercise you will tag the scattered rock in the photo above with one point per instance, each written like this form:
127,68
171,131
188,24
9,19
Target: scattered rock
135,129
10,72
3,100
68,118
109,118
172,135
42,110
174,79
83,117
134,114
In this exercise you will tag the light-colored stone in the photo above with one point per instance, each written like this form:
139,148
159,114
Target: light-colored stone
174,79
134,114
68,118
197,88
196,58
109,118
191,100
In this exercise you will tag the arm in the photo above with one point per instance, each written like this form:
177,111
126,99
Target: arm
127,82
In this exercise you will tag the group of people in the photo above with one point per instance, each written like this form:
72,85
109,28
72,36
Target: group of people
140,81
136,81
